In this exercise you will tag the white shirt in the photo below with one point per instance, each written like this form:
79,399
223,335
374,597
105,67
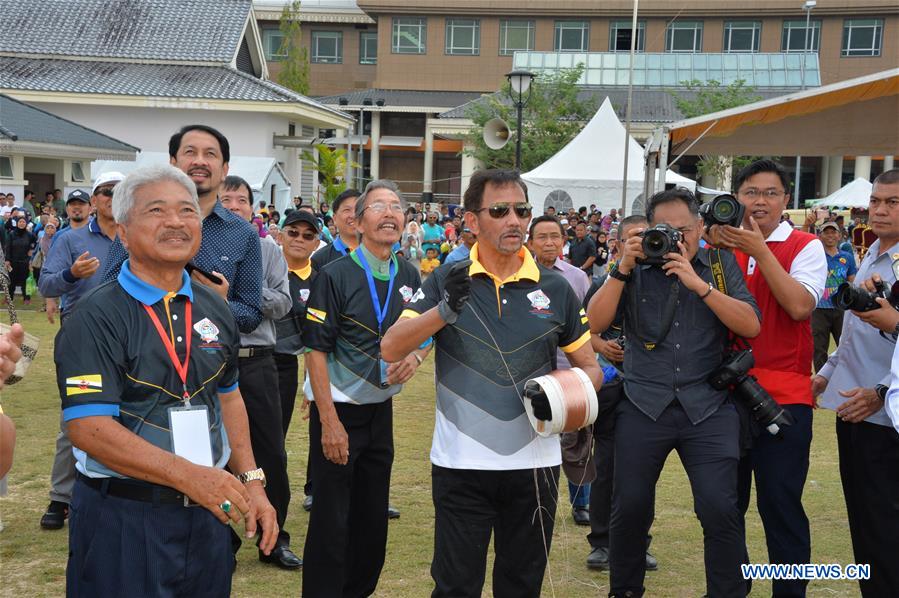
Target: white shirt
891,406
809,267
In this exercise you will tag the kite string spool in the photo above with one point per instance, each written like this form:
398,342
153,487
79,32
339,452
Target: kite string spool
572,401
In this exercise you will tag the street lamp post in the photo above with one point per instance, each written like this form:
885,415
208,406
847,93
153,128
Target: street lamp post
520,82
807,7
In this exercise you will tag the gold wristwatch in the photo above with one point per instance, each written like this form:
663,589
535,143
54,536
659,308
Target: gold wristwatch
252,475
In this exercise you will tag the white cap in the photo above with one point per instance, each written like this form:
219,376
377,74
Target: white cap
105,178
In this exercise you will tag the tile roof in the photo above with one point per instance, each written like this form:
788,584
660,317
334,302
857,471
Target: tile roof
140,79
21,122
169,30
408,98
651,105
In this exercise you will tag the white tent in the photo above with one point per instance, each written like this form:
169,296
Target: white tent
853,195
265,176
589,169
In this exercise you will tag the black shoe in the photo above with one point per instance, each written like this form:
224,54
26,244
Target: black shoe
598,559
56,515
307,503
392,512
282,556
581,515
652,564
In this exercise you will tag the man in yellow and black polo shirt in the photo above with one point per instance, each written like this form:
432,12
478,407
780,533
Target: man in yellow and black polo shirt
496,324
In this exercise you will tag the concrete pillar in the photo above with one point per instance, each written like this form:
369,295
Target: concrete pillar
823,175
834,173
428,178
375,164
348,174
888,163
863,167
469,165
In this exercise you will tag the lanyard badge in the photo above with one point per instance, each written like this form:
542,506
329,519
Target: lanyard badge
380,311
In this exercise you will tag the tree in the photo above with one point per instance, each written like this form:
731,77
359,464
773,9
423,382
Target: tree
294,73
712,97
331,165
552,117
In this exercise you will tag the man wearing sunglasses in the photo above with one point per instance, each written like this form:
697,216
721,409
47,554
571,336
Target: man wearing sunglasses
70,271
497,322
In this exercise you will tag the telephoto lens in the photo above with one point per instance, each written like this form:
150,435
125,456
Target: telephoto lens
658,241
724,209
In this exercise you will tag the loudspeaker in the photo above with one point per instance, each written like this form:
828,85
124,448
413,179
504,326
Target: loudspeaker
496,133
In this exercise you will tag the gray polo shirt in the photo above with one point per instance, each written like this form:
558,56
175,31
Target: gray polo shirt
679,365
276,300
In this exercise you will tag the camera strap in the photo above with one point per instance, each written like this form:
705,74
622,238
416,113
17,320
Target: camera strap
667,314
718,270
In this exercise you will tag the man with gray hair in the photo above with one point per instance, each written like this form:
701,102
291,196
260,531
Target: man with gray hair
147,373
352,303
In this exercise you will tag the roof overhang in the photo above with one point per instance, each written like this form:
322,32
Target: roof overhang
254,41
856,117
54,150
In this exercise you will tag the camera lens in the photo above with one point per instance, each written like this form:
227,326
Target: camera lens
724,209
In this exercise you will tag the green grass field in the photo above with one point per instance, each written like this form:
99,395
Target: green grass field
32,561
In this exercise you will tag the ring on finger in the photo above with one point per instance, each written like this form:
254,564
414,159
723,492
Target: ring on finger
226,506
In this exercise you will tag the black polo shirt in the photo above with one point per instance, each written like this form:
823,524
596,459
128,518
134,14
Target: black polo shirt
329,253
111,361
341,321
289,329
518,322
679,365
581,250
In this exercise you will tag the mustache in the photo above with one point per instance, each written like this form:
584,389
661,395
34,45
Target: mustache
175,236
199,169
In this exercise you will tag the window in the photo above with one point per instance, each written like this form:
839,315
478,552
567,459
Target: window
571,36
463,37
410,35
515,35
327,47
5,167
368,47
794,39
620,34
683,36
77,172
742,36
271,44
862,37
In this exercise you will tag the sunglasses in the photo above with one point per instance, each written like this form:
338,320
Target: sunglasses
293,234
107,191
501,210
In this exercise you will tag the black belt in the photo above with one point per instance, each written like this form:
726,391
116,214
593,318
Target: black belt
131,490
255,351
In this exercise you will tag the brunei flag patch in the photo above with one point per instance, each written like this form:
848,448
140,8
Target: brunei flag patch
316,315
80,385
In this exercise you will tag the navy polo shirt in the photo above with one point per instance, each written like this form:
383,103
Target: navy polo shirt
110,361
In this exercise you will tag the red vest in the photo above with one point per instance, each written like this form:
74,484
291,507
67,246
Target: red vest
783,350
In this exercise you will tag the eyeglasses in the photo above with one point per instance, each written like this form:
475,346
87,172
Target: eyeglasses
380,208
767,193
293,234
107,191
501,210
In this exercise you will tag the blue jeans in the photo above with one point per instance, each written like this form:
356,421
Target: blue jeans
579,496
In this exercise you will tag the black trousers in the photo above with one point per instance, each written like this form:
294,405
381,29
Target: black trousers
18,277
709,452
869,469
825,323
604,458
347,536
288,383
780,465
469,506
259,388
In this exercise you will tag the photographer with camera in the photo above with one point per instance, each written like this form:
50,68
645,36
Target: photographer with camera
785,270
678,326
853,383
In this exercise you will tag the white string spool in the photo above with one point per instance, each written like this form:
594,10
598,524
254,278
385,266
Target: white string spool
572,400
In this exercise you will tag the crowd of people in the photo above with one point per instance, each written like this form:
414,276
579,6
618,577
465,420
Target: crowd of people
185,312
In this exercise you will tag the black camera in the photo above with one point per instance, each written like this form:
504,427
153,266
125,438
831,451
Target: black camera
734,373
724,209
859,299
658,241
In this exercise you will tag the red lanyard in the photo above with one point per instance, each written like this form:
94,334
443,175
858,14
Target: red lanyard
181,368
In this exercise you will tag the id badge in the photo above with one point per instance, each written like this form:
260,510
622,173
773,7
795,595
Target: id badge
383,367
190,434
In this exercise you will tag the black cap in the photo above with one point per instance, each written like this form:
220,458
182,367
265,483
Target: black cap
302,216
78,195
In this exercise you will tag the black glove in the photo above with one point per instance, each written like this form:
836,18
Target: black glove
456,290
539,402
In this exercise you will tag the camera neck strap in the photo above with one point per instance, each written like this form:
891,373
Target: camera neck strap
667,314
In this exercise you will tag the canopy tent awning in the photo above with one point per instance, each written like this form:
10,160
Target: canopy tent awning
854,117
856,194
